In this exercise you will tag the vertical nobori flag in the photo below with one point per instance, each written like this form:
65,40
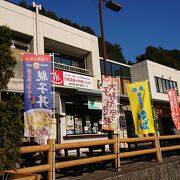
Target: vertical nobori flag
174,104
109,103
37,95
140,103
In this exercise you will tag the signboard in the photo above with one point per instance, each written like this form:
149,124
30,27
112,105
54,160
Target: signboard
37,95
61,78
109,103
141,108
123,128
93,103
175,111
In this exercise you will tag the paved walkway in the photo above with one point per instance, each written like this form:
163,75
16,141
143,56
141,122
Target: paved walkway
109,173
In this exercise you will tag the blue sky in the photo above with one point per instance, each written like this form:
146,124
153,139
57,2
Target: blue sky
140,23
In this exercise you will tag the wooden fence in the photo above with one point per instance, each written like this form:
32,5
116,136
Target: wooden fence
116,156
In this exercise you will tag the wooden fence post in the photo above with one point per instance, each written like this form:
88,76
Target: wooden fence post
157,146
50,159
116,151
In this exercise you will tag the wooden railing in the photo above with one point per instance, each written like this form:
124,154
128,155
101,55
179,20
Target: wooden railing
115,155
85,160
169,147
155,149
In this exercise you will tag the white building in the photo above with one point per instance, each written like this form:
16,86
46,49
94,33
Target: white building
161,78
76,53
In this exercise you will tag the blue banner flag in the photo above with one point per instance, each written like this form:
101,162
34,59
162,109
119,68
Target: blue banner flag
37,95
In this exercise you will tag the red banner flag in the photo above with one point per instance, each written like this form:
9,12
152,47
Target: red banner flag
175,113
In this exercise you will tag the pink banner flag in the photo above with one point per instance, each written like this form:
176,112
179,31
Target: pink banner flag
175,111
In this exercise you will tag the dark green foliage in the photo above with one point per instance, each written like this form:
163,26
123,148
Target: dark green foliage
7,61
50,14
169,58
23,4
11,132
11,127
129,62
113,51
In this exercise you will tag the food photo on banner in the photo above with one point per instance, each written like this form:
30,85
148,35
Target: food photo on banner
109,103
37,95
174,105
141,108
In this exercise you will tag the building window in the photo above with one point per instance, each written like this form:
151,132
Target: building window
67,60
109,72
57,58
125,71
102,66
162,85
168,84
115,69
157,84
81,120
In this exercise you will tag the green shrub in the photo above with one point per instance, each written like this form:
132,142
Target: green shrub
11,132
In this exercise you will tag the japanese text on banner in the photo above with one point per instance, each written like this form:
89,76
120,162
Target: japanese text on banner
109,103
140,103
37,95
175,111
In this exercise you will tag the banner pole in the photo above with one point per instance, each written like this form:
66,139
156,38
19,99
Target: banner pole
157,143
118,135
53,125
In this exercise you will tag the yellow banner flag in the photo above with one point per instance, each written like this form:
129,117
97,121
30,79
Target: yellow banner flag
140,103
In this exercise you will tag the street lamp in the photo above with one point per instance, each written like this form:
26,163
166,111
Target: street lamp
114,7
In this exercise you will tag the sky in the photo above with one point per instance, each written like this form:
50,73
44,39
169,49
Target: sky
139,24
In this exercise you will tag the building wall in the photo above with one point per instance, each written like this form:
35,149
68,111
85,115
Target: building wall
147,70
17,18
69,39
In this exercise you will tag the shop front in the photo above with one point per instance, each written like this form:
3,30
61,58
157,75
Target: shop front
78,106
78,120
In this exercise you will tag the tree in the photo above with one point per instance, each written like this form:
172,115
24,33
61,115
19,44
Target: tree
23,4
7,61
114,51
129,62
168,58
11,127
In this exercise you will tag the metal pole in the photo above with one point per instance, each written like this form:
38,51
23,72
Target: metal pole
37,19
38,7
54,123
102,36
118,135
53,133
157,143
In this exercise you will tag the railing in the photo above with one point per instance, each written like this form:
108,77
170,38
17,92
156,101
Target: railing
169,147
115,155
155,149
85,160
71,69
39,168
